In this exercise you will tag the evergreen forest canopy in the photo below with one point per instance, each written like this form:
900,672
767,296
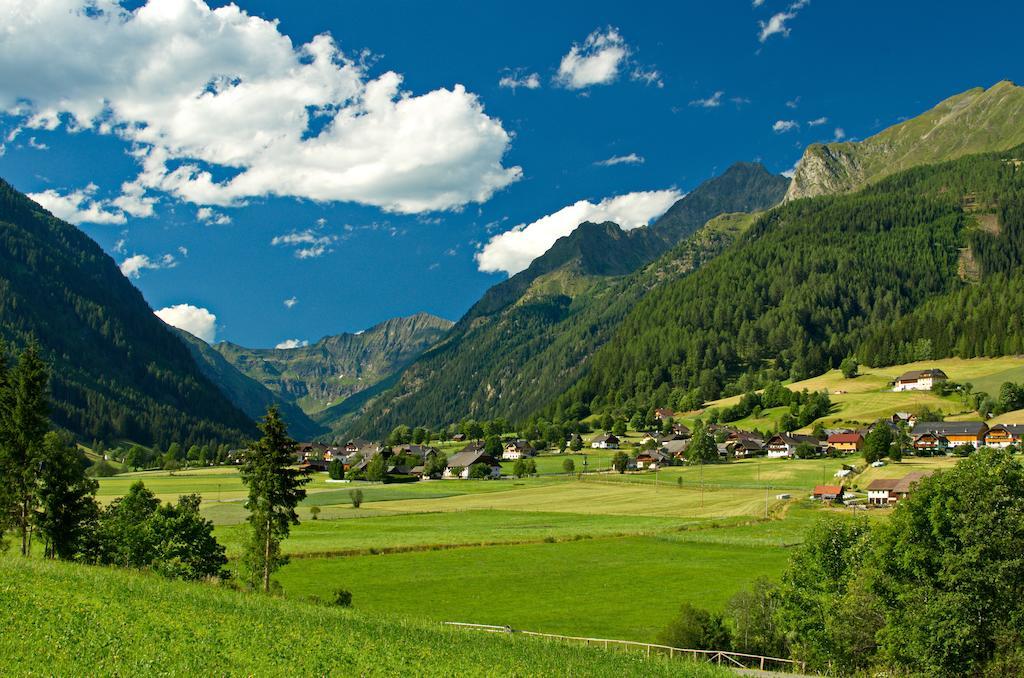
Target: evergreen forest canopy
900,271
118,371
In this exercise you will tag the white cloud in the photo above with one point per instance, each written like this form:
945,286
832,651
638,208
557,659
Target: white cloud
516,79
631,159
839,134
648,76
79,206
38,145
212,217
513,250
198,322
793,103
308,244
290,302
596,62
776,25
119,246
195,89
783,126
182,250
292,343
133,266
757,3
817,121
713,101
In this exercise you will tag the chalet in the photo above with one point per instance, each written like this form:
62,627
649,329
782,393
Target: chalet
460,463
956,432
355,445
904,418
880,491
310,452
518,449
1004,435
783,445
828,492
608,441
846,443
930,443
459,437
919,380
745,448
680,430
663,413
906,485
421,452
652,459
675,448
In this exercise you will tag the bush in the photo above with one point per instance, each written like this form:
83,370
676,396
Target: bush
336,469
569,466
849,368
102,469
343,598
356,497
314,511
696,629
480,471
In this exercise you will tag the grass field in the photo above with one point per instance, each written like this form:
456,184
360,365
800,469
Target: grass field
869,397
67,619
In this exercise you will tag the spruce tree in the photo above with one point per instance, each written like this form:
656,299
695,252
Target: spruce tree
67,506
275,489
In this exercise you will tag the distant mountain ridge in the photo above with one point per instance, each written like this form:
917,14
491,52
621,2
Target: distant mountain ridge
323,374
527,336
118,371
976,121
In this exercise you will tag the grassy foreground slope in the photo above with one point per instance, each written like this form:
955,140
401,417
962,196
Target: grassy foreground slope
96,621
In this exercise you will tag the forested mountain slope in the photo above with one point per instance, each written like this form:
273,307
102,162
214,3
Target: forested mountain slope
246,393
975,121
323,374
905,269
529,337
118,372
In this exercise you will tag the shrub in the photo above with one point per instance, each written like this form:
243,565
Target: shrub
696,629
102,469
336,469
356,497
569,466
314,511
343,598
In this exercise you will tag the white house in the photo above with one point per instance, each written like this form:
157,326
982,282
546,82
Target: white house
608,441
919,380
518,449
783,445
460,464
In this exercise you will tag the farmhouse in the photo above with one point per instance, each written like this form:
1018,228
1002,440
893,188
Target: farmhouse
956,432
930,443
828,492
1004,435
745,448
608,441
663,413
919,380
652,459
783,445
847,443
904,418
675,448
888,491
518,449
459,464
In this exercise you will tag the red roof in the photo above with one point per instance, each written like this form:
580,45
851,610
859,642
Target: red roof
827,489
845,438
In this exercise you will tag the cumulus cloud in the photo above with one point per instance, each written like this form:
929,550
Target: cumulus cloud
290,302
596,62
713,101
783,126
198,322
516,79
513,250
839,134
817,121
133,266
79,206
199,91
292,343
308,244
631,159
212,217
776,25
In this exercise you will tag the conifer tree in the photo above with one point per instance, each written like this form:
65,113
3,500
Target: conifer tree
275,489
67,506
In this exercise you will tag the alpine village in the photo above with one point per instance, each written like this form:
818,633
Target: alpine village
764,421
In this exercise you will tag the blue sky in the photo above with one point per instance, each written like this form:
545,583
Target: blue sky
294,239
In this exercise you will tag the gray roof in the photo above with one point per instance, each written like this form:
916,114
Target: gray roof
914,375
467,458
946,428
1015,429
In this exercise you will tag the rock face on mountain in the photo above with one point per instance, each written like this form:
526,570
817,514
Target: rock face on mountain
975,121
118,371
528,336
323,374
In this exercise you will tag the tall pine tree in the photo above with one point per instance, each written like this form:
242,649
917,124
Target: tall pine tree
68,511
275,489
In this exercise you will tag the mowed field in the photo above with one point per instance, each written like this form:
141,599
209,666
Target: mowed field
869,396
608,555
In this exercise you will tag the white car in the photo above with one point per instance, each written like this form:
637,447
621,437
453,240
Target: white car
877,464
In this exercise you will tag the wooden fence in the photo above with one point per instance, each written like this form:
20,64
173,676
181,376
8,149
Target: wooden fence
735,659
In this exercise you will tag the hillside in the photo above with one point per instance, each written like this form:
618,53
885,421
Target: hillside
119,372
246,393
88,620
975,121
323,374
876,274
529,337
